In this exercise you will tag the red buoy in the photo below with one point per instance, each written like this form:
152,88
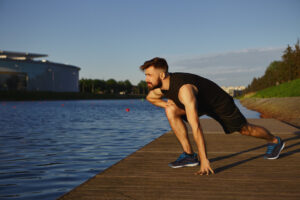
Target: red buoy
127,109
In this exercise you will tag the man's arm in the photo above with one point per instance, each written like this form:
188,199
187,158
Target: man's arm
187,96
155,97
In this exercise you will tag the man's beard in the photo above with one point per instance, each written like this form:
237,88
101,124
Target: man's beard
159,84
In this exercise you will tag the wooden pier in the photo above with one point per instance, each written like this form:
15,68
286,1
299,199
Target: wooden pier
241,172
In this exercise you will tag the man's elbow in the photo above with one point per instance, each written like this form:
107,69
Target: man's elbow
148,98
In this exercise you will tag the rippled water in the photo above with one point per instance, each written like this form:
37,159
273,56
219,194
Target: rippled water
49,147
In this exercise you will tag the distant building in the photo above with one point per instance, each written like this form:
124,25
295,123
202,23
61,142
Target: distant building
234,91
18,71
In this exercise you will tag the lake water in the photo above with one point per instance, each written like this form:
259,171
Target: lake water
49,147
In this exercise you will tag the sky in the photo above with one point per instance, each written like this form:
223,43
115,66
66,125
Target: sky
227,41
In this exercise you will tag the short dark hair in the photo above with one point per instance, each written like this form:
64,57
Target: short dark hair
158,63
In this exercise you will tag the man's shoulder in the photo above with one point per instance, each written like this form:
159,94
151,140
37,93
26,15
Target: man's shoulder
185,76
182,74
184,79
188,88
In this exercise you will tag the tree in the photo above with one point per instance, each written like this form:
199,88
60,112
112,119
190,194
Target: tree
272,74
289,63
297,58
111,86
279,71
86,85
100,86
128,87
142,87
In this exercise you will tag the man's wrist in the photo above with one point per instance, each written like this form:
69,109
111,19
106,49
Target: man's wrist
203,159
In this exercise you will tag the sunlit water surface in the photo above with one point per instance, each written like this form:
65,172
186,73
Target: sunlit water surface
49,147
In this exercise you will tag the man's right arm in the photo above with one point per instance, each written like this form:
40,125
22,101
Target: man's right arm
155,97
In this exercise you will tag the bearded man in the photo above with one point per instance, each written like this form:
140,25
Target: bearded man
190,96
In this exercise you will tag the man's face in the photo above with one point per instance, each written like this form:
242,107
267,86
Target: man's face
152,78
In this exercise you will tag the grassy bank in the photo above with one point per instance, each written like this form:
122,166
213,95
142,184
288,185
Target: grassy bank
28,96
289,89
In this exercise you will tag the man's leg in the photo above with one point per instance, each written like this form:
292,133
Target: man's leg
179,128
258,132
231,119
188,158
275,145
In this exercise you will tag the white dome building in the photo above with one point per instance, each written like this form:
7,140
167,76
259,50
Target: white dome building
18,71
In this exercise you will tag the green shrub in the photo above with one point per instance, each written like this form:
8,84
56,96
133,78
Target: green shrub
288,89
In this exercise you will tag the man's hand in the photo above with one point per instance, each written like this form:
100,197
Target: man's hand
205,168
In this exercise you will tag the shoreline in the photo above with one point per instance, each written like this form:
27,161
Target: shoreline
49,96
286,109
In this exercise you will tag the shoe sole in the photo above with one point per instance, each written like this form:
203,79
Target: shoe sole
273,158
186,165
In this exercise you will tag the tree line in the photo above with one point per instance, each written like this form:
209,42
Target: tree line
279,72
111,86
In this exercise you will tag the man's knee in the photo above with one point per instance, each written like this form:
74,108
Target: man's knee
170,111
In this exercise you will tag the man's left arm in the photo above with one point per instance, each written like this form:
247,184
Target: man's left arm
187,95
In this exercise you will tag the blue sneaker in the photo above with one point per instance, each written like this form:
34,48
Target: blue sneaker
274,150
185,160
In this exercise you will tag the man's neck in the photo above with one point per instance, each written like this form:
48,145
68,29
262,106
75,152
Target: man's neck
166,83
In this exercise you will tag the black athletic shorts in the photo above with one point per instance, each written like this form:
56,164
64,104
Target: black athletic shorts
228,115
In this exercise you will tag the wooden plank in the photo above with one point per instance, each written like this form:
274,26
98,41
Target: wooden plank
241,171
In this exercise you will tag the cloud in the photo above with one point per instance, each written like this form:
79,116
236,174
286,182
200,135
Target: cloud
228,68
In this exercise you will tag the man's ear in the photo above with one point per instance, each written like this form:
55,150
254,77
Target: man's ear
162,75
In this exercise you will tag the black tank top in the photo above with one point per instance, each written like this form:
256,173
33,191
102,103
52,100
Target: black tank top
210,96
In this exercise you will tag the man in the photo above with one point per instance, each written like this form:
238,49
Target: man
190,96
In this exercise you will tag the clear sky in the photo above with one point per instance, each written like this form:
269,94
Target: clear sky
227,41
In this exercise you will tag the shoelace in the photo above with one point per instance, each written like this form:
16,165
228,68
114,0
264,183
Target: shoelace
270,148
181,157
